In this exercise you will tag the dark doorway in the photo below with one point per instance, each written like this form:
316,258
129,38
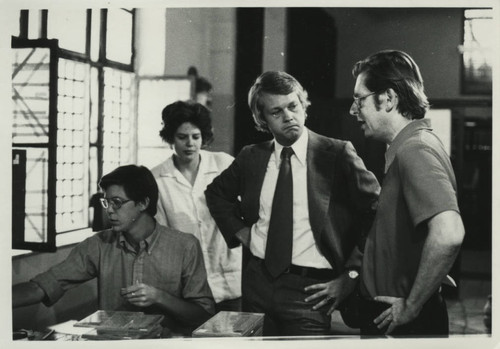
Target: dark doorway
249,41
311,60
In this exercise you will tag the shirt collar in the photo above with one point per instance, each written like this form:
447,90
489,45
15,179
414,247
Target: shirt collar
207,165
299,148
168,167
402,136
149,242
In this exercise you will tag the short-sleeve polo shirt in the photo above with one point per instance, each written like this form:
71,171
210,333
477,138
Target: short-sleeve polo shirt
419,183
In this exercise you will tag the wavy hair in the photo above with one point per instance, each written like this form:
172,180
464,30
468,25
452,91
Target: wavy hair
273,82
397,70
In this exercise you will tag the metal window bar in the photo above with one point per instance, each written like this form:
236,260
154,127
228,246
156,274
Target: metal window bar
34,75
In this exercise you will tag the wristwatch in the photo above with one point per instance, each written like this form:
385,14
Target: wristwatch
353,274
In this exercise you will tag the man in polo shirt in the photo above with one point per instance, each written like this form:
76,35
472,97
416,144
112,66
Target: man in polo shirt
418,230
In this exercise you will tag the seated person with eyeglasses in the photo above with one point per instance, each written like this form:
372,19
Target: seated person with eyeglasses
140,264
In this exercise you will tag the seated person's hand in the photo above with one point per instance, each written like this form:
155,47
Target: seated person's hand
140,294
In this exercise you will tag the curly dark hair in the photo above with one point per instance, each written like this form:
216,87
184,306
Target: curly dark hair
177,113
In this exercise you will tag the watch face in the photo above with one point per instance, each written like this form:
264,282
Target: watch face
353,274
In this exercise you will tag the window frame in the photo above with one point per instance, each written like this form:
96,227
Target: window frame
101,63
51,145
478,87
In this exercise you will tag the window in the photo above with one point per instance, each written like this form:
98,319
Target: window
119,36
72,186
118,136
73,116
477,51
33,104
69,27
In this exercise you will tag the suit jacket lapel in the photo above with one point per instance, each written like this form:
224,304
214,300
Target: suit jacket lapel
320,164
257,170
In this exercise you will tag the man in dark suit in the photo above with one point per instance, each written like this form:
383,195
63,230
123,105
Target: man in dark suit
303,236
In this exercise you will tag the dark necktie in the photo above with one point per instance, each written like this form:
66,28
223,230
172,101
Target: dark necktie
280,234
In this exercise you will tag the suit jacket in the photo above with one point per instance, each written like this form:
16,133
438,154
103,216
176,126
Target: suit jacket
342,197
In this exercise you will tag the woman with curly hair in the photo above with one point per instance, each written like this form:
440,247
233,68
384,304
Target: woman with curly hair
182,179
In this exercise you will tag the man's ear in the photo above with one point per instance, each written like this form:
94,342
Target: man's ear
144,204
392,100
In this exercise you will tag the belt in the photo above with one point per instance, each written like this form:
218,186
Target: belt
314,273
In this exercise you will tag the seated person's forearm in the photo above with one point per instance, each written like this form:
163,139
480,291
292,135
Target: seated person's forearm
26,293
187,312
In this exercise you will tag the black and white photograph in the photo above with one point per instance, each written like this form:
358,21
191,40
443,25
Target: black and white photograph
256,174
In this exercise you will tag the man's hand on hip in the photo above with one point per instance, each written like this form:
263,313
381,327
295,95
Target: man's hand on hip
399,313
332,291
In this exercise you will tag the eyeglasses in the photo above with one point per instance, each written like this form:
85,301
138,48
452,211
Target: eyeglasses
115,203
357,100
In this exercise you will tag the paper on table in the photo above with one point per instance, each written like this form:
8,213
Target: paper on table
69,328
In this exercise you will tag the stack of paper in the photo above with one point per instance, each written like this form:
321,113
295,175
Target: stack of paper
121,325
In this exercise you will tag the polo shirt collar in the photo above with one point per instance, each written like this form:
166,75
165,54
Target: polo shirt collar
402,136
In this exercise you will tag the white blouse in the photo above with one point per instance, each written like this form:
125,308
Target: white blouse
182,206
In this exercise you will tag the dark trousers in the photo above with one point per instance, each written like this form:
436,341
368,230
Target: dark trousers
282,302
431,322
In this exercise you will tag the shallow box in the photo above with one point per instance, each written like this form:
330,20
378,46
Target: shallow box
231,324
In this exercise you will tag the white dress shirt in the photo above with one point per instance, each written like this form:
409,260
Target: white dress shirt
182,206
305,252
